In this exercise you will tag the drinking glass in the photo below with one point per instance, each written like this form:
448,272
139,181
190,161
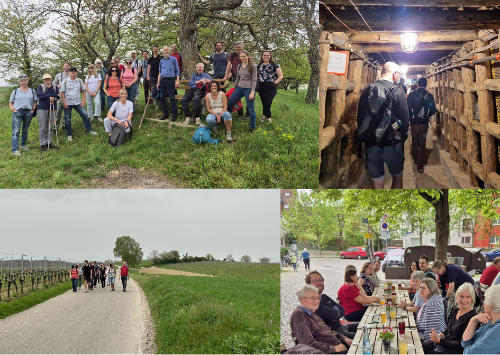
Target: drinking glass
403,345
394,287
383,317
401,326
393,312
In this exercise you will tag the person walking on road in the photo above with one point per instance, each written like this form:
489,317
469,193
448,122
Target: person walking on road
96,271
74,276
106,274
124,275
79,277
293,259
87,275
102,275
305,258
112,275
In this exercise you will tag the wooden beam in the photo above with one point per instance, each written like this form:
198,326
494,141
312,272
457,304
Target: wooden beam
396,47
416,3
394,37
413,19
493,128
492,84
326,137
494,180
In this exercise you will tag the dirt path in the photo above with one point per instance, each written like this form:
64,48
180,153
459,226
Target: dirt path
157,271
128,178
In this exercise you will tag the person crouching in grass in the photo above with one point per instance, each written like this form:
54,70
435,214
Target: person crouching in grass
123,110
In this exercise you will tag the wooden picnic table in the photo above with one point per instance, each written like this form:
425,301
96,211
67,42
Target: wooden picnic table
381,292
376,308
376,344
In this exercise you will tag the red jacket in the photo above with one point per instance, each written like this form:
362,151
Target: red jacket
237,105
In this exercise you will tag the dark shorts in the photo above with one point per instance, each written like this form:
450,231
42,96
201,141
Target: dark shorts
87,278
390,155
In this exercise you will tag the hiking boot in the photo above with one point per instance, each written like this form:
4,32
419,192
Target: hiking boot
164,117
51,146
43,148
70,138
246,117
92,133
250,130
198,121
173,119
25,148
100,119
229,137
188,120
17,153
215,128
241,117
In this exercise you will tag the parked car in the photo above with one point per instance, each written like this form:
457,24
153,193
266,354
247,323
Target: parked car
354,252
489,256
394,257
474,250
380,255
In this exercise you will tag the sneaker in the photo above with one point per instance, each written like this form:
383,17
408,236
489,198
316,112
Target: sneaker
198,121
188,120
229,137
85,291
100,119
215,128
17,153
246,117
250,130
51,146
92,133
43,148
421,171
263,119
70,138
173,118
241,117
163,117
25,148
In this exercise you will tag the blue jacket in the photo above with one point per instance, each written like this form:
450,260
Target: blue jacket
432,316
43,99
195,77
484,340
305,254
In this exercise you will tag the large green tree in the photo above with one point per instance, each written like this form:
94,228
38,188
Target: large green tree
128,250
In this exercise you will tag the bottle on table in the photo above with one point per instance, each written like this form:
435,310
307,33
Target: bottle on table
366,341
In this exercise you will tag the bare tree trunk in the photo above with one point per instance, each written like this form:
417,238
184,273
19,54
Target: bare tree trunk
442,218
312,29
421,233
312,87
319,244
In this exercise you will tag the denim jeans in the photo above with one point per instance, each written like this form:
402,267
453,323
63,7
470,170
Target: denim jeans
67,118
90,105
111,100
103,101
294,266
168,85
226,116
124,282
19,117
75,283
131,91
236,96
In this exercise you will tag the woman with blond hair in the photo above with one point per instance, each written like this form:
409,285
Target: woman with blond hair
122,110
449,341
364,280
93,87
245,83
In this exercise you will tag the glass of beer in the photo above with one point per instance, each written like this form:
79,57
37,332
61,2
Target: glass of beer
394,287
382,302
383,317
403,345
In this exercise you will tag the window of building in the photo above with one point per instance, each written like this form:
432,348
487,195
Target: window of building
465,240
287,194
496,222
433,242
286,207
466,225
494,239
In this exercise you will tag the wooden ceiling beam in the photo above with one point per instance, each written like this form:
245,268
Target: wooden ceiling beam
410,20
396,47
394,37
416,3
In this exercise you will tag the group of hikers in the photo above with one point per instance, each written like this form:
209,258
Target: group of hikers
93,274
385,114
118,86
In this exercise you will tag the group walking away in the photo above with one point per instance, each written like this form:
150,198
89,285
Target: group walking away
385,115
443,305
95,274
155,72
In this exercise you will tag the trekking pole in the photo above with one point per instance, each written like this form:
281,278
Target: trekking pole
55,127
51,106
147,103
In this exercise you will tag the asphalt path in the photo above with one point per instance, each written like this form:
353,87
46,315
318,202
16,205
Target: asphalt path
100,321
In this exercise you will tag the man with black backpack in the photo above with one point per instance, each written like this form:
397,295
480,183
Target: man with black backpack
219,59
383,126
421,107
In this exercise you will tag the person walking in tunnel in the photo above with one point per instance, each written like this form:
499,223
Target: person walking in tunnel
383,126
421,107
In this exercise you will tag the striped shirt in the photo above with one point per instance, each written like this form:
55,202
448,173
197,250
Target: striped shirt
431,315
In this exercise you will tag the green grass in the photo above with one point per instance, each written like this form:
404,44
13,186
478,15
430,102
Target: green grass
216,315
34,298
282,154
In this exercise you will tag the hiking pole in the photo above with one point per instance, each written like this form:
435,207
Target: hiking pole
56,129
51,107
147,103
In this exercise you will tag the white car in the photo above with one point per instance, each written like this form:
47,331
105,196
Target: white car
394,257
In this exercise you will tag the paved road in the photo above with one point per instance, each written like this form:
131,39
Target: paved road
96,322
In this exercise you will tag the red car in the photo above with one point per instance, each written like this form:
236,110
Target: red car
380,255
353,253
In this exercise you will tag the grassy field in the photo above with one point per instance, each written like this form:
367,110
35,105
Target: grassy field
18,305
281,154
237,312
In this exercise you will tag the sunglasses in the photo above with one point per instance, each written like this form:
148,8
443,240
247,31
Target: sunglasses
90,68
114,71
129,63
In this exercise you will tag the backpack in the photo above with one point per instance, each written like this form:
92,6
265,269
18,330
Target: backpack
107,80
377,127
33,92
155,93
141,72
117,137
123,71
202,135
258,67
420,111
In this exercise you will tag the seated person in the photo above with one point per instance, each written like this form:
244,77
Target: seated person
329,310
450,341
485,339
216,102
374,277
308,328
431,314
198,80
123,110
414,306
352,299
490,272
364,278
411,288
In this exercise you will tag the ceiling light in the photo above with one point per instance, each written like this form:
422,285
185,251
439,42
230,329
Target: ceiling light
409,42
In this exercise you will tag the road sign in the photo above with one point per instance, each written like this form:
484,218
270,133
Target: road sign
365,220
385,234
368,236
384,216
384,226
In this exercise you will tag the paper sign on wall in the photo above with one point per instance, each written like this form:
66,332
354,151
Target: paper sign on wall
338,62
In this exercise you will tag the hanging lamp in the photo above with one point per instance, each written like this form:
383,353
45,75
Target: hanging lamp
409,42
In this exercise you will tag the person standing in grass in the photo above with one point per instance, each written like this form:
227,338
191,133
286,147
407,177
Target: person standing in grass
112,274
130,77
92,86
294,262
124,275
168,81
87,275
102,72
74,276
269,76
219,58
113,84
245,82
22,103
48,94
232,71
58,79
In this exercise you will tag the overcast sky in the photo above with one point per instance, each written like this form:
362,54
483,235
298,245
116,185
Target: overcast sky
84,224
